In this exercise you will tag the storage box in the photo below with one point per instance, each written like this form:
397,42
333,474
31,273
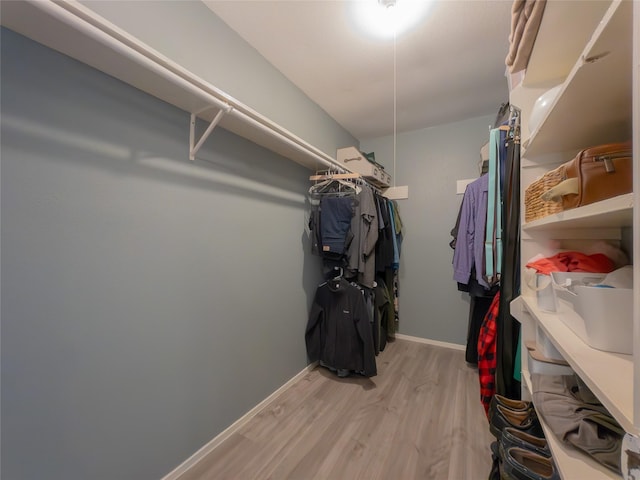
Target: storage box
355,161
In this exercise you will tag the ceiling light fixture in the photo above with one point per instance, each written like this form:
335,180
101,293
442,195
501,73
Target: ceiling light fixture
389,19
384,18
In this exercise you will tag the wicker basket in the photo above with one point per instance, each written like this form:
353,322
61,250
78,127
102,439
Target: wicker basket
534,206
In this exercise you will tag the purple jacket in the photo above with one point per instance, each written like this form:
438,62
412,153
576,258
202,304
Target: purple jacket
470,241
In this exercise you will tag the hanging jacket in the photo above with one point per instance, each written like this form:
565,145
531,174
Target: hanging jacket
339,332
469,251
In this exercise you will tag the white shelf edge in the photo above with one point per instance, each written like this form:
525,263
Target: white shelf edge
550,125
571,463
612,212
608,375
556,50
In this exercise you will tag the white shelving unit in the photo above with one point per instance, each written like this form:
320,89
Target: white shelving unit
614,212
594,103
570,461
608,375
551,60
593,59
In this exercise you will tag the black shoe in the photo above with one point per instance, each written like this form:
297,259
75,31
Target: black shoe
525,421
512,437
494,474
520,464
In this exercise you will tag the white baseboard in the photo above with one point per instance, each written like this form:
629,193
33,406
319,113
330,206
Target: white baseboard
438,343
181,469
190,462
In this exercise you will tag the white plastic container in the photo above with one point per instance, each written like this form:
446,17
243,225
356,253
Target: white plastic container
564,284
542,106
544,293
608,317
545,347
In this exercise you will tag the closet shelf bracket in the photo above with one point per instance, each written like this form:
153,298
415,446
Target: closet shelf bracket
193,149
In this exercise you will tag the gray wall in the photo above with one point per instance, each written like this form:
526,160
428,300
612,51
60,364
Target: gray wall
430,161
147,301
189,33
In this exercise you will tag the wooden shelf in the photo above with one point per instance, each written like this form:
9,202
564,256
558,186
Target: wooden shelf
608,375
613,212
579,118
571,462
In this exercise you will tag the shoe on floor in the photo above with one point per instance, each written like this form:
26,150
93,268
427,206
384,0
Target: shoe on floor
520,464
512,437
494,473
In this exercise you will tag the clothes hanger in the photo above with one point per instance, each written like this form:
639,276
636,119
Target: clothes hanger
334,186
340,271
338,277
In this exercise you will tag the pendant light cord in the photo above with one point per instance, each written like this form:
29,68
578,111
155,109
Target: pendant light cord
395,102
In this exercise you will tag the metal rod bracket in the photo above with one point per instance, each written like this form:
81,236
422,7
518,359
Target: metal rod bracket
193,149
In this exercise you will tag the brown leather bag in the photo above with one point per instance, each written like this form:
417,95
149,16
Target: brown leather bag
603,172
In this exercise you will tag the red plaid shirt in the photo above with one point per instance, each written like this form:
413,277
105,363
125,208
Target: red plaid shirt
487,354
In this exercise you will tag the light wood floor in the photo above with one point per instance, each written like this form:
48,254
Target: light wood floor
420,417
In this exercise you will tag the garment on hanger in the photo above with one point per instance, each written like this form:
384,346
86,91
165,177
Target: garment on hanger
384,312
396,227
469,251
335,225
507,343
493,230
479,302
396,302
454,230
384,247
328,204
339,332
369,297
362,250
370,261
487,354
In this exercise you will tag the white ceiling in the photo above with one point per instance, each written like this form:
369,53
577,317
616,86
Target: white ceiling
449,67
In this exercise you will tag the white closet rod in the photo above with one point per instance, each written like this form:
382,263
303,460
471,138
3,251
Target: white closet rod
80,18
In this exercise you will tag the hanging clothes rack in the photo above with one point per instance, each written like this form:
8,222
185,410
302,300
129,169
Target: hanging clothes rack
77,31
357,178
337,176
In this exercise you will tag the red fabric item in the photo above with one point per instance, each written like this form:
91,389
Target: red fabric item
573,262
487,354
